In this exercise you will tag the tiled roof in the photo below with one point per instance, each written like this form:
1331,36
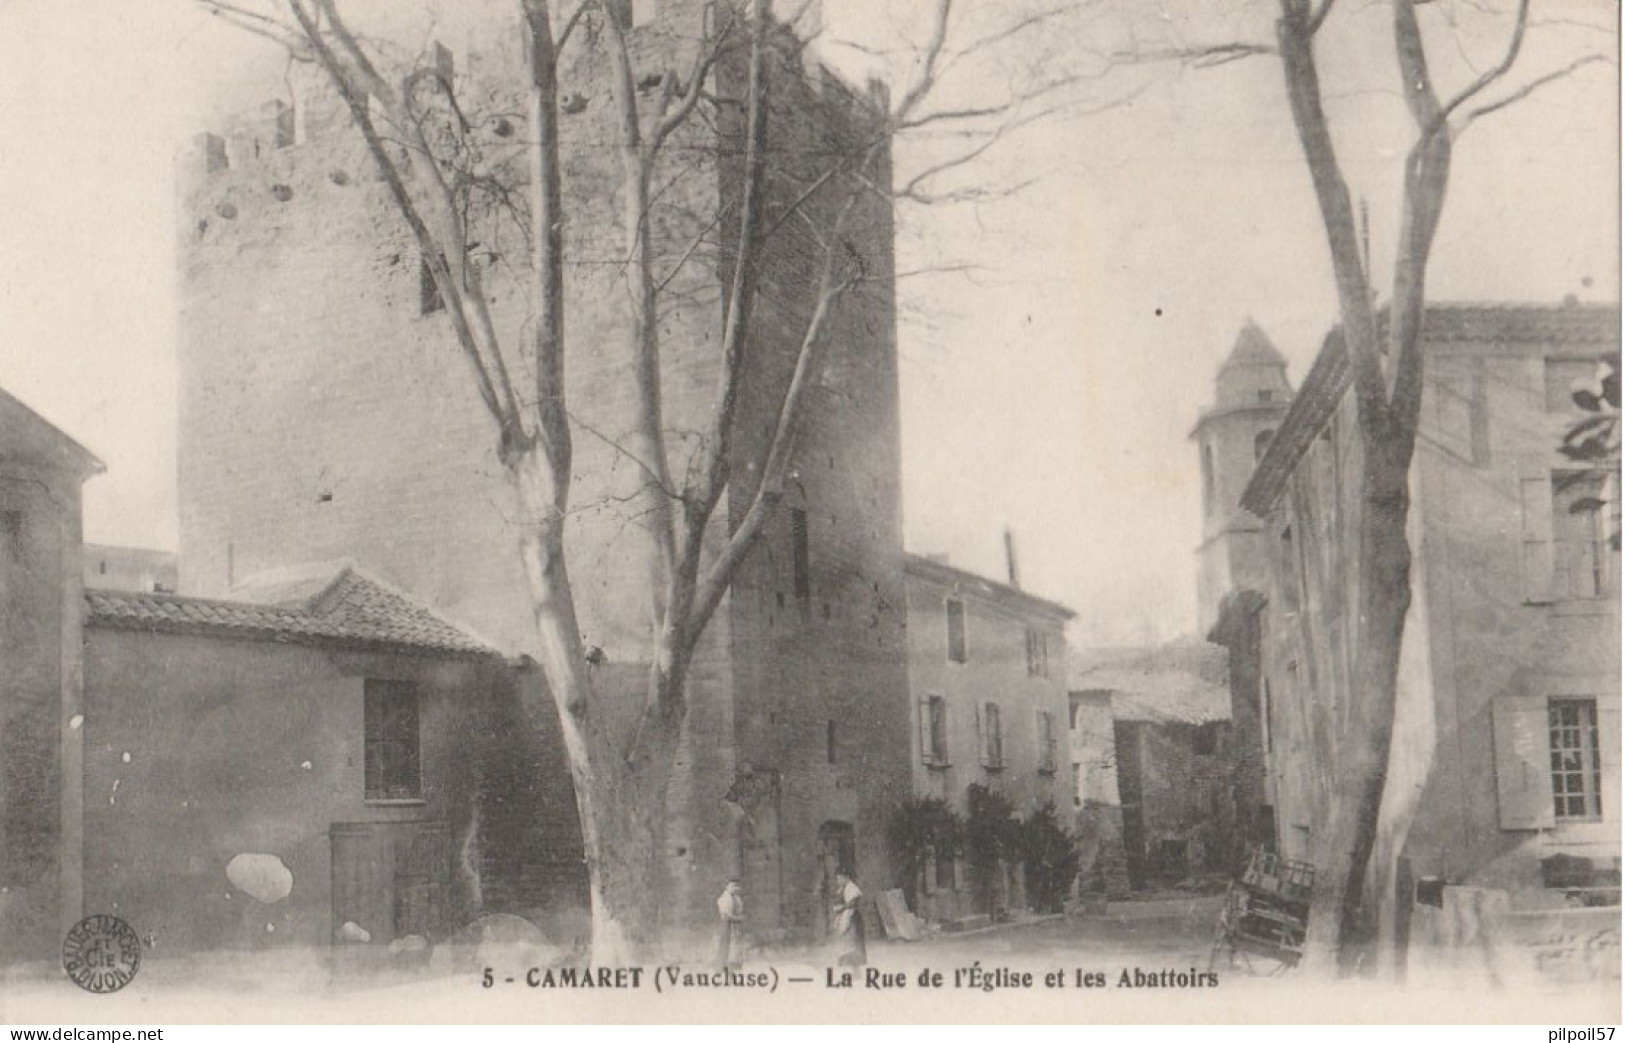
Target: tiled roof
1522,323
1581,325
1182,681
351,608
1013,598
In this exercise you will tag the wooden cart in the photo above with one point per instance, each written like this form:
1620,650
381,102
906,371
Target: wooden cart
1266,914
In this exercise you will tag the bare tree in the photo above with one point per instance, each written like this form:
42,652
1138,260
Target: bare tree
426,145
1354,896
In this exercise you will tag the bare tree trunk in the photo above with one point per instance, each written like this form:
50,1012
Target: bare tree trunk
1341,924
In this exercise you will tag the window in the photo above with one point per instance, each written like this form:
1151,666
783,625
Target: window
1261,443
799,555
829,741
1264,720
1460,423
1583,561
1265,394
956,630
392,769
11,534
1077,784
1576,764
992,737
1037,653
429,299
1207,739
1563,378
934,731
1046,742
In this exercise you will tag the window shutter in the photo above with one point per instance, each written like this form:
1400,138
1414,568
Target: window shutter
1523,776
1608,742
981,736
1539,565
925,731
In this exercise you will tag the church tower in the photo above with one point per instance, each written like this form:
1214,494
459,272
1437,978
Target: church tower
1251,395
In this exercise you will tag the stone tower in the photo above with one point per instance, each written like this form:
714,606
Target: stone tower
1251,395
326,413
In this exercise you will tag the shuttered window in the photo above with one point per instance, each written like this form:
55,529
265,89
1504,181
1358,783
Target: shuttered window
956,630
1584,563
1535,495
1046,741
1557,758
934,730
1037,653
990,737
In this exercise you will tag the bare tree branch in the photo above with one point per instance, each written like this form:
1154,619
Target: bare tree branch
1205,56
280,33
1531,87
1520,28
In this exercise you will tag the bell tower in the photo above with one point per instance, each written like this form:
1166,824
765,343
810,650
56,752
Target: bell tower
1251,395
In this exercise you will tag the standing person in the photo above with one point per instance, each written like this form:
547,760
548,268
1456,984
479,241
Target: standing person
731,935
847,923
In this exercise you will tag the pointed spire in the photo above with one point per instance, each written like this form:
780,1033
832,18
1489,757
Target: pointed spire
1253,348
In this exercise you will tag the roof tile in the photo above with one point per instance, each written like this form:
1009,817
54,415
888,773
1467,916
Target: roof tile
352,608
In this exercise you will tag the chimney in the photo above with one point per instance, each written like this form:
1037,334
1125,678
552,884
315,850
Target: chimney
1010,557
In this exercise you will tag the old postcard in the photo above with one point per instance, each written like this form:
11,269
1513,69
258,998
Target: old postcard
809,511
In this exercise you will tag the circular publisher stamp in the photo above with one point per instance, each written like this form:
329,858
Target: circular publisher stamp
101,953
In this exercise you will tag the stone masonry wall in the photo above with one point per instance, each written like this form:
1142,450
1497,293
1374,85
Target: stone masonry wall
323,416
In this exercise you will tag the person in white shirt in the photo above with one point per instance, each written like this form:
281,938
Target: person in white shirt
731,937
847,923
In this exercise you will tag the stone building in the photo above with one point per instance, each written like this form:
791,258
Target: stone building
326,412
987,674
42,685
245,773
1172,757
1506,739
1251,396
1096,802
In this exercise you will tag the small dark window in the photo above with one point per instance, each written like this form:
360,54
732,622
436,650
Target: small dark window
1046,742
1264,712
934,731
992,738
392,768
1207,740
799,554
429,299
11,534
829,742
956,631
1265,395
1037,653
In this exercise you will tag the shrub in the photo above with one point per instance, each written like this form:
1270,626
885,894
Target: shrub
918,829
1050,852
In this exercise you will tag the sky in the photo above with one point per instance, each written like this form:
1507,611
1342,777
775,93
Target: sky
1049,387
